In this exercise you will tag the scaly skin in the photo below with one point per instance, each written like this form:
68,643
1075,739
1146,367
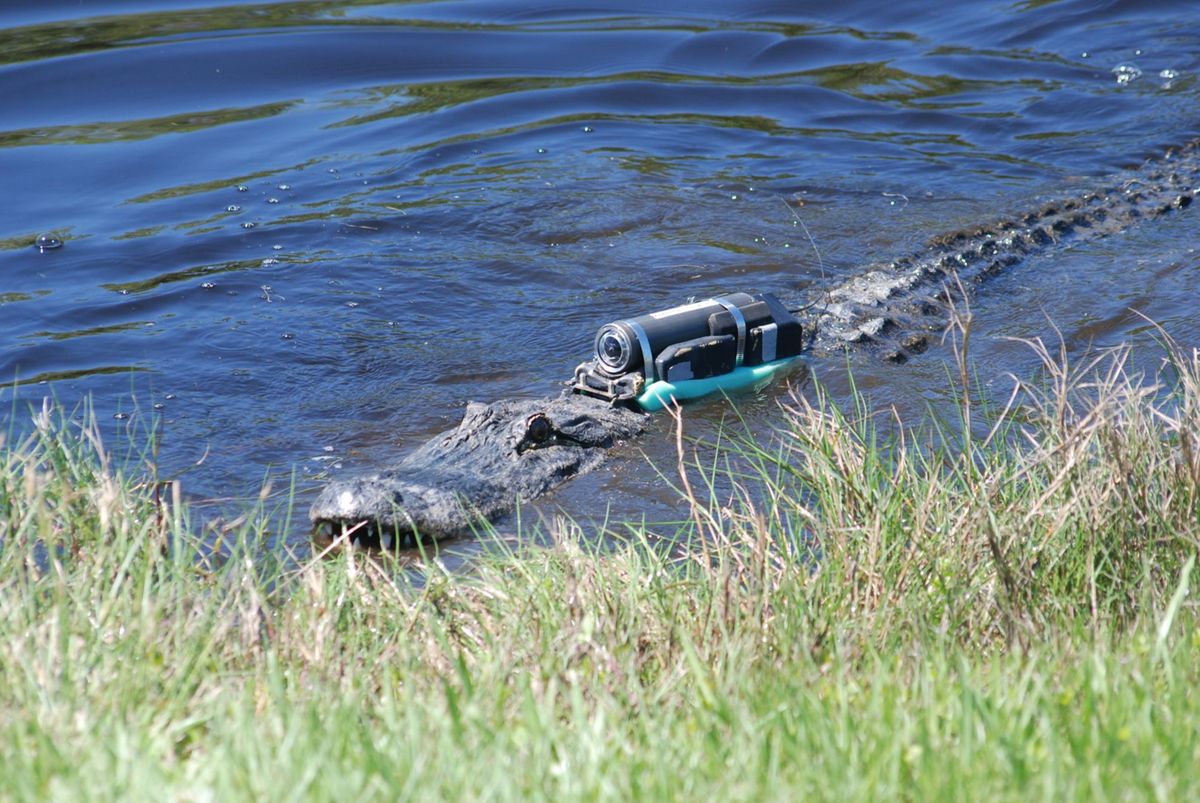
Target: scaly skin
512,450
895,305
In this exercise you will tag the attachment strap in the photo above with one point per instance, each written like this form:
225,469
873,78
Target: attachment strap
647,355
740,320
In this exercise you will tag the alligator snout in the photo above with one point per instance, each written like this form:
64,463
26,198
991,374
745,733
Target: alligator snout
374,511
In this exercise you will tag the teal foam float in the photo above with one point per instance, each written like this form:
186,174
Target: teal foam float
659,394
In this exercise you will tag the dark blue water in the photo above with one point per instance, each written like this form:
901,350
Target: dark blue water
311,231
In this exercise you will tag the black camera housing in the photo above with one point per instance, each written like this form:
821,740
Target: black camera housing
698,340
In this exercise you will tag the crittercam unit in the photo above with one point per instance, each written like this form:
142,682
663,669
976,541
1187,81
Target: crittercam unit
719,344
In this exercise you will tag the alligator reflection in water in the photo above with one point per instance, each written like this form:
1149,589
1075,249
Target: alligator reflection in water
513,450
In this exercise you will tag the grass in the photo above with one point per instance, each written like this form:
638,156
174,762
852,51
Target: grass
867,611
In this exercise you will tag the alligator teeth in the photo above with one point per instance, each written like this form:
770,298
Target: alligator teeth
386,540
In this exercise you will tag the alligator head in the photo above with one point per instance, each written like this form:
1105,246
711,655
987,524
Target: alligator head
500,453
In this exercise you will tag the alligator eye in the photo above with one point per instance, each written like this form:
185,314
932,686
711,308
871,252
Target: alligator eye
538,429
540,432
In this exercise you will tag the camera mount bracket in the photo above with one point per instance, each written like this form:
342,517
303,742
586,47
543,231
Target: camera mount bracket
590,381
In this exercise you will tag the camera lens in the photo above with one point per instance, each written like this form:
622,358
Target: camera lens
613,349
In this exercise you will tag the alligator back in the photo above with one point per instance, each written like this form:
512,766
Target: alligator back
895,305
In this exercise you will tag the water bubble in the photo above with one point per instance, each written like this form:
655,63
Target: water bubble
1126,73
587,129
277,248
208,285
243,188
288,335
1168,74
249,224
159,406
285,186
124,292
541,150
352,304
47,242
121,416
332,170
233,208
272,200
1083,55
733,197
170,397
270,261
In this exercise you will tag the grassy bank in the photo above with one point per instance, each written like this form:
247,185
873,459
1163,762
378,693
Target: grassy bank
918,616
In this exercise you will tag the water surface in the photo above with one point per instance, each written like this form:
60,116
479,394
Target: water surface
308,232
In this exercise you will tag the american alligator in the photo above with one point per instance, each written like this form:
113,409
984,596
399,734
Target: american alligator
512,450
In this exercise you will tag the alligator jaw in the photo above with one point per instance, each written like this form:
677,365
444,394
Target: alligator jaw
500,453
